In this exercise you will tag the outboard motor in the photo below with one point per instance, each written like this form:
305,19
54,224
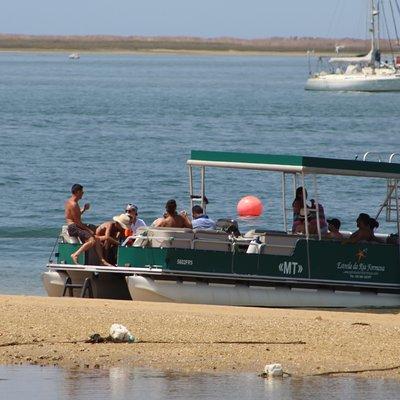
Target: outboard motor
229,226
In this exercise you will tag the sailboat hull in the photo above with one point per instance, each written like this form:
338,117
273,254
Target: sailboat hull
359,83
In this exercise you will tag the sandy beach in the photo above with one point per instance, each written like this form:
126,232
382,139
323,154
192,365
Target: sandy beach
183,337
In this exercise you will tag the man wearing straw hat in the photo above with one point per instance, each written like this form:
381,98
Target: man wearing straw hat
109,232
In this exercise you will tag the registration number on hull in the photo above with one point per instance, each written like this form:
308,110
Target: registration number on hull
181,261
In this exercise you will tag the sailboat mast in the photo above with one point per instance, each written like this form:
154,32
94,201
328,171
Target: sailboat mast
374,29
378,27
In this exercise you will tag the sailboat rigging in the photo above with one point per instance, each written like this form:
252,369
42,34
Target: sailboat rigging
367,72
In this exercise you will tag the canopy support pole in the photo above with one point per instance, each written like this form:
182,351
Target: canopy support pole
191,186
285,228
303,184
317,206
396,182
203,188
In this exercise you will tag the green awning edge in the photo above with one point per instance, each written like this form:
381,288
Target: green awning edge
313,164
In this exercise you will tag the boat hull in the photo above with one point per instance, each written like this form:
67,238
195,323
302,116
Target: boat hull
104,285
362,83
54,282
149,289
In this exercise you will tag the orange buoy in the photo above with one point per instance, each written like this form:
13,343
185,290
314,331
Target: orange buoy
249,206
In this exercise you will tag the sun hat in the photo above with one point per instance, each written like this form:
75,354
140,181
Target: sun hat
124,220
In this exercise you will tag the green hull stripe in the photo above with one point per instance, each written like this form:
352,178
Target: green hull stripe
329,261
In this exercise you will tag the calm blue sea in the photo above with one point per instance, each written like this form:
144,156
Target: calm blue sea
123,126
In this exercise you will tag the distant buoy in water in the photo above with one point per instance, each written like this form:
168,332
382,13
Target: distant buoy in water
249,206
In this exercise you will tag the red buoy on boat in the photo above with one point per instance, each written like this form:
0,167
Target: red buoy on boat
249,206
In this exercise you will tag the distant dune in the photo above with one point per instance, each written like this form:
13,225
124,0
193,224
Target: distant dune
180,43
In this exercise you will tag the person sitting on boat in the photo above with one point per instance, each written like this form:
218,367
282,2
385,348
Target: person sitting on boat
298,211
172,219
364,232
312,219
76,228
110,232
201,220
333,228
373,225
132,211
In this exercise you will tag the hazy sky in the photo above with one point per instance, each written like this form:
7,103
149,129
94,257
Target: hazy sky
205,18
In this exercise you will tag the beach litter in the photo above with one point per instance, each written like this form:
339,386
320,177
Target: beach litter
273,371
118,334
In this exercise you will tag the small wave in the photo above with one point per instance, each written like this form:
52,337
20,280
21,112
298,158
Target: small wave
29,232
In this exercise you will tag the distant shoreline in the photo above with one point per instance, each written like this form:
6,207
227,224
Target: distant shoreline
181,45
232,53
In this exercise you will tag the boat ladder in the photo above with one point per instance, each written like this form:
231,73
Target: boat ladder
390,203
86,287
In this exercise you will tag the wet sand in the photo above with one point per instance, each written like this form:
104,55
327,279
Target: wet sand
183,337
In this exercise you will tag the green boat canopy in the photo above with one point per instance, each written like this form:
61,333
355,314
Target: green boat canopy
294,164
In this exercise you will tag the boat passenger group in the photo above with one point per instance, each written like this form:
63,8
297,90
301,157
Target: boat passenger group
107,236
329,227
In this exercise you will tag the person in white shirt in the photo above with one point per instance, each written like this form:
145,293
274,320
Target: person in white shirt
132,211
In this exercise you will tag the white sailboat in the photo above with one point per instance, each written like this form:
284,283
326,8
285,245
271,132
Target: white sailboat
365,73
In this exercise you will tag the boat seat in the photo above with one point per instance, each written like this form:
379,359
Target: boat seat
180,238
66,238
279,244
141,239
207,239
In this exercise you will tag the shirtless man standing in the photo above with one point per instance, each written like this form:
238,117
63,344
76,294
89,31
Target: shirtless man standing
76,228
172,219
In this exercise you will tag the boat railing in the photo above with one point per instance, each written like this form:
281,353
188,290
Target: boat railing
390,203
380,156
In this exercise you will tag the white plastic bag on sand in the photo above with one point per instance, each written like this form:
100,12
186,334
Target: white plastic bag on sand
120,333
273,370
